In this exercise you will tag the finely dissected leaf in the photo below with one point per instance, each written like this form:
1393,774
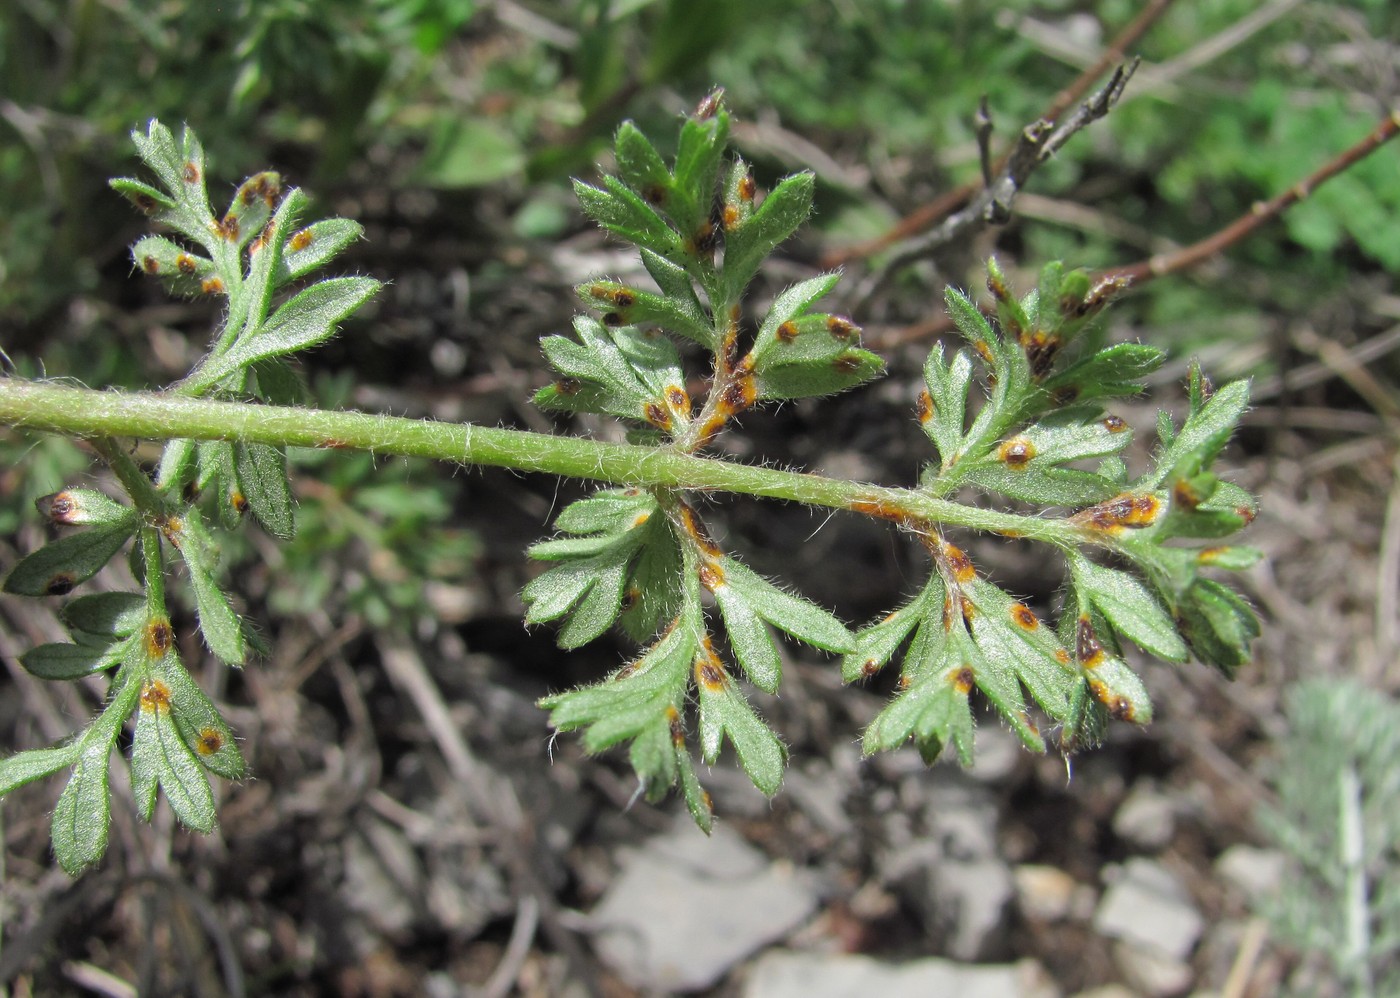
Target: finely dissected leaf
306,320
220,626
1029,465
1130,607
641,167
1012,640
26,767
262,471
725,712
626,306
183,271
699,154
876,644
199,722
746,246
791,614
248,310
794,302
61,660
108,615
943,415
625,214
934,711
811,366
160,754
1218,625
60,565
1204,434
314,246
79,827
251,207
1113,372
619,371
749,639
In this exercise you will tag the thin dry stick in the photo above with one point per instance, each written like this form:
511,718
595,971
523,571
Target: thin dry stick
1262,212
939,208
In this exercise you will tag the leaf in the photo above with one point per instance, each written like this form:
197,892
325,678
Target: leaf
1029,466
58,566
626,306
80,818
1204,434
792,303
1218,625
876,644
935,711
199,722
303,322
219,625
61,660
314,246
159,755
618,371
724,712
623,213
108,615
943,414
1128,605
262,471
1113,372
746,246
25,767
791,614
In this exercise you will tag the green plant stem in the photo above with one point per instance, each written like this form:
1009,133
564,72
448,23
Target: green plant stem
82,412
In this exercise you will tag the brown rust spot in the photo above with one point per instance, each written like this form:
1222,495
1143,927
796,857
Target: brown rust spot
158,638
963,679
1245,513
1040,353
612,319
61,507
228,228
60,584
1024,617
657,415
711,575
787,332
568,386
923,406
709,105
905,682
238,501
998,287
877,508
1184,495
947,614
673,721
730,217
655,194
185,263
212,286
1065,394
738,395
695,527
959,564
709,671
1016,453
1126,510
191,172
841,328
747,187
145,203
869,667
1062,656
705,239
968,610
155,696
677,399
985,352
210,740
301,240
846,363
1113,424
1087,649
631,598
150,264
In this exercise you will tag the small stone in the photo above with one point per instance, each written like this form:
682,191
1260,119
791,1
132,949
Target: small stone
685,908
1146,819
1151,971
783,974
1049,894
1146,906
1107,991
1255,873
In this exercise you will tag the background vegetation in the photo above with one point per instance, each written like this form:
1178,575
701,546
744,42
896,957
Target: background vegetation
451,129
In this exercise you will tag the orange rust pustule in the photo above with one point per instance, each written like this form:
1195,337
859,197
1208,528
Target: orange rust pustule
1016,453
923,406
869,667
709,672
738,395
947,614
1062,656
60,508
621,297
301,240
568,386
747,187
158,638
1245,513
210,740
1099,295
1120,708
228,228
155,696
959,564
985,352
146,203
1184,495
878,509
731,217
150,265
711,575
238,501
212,286
905,682
191,172
269,189
1113,424
185,264
1040,353
677,399
1126,510
787,332
695,527
963,680
969,611
841,328
1024,617
1087,649
998,288
60,584
631,598
657,415
673,721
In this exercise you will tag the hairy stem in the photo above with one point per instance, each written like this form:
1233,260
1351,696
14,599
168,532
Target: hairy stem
82,412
